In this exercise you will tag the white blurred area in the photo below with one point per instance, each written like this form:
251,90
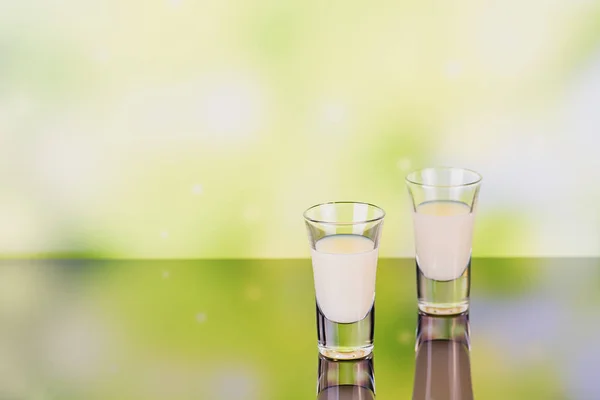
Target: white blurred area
545,167
220,123
50,336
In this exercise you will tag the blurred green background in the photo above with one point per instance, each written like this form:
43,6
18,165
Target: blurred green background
184,129
181,129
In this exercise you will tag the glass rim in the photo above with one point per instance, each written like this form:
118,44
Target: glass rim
477,177
364,221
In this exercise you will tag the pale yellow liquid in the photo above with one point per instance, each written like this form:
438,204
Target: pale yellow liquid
443,235
344,268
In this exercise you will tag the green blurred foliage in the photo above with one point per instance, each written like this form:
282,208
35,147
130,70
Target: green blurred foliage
184,129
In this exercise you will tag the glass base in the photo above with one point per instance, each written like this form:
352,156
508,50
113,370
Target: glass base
345,354
444,297
443,308
345,341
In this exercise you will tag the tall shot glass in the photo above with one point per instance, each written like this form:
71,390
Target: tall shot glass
344,244
444,202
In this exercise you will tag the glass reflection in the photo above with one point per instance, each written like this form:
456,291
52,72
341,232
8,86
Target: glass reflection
346,380
443,365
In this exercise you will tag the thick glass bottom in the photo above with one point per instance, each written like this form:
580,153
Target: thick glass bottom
346,354
444,297
345,341
443,308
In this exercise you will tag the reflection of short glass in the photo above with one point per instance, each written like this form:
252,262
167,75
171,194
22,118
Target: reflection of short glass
444,203
346,380
442,365
344,241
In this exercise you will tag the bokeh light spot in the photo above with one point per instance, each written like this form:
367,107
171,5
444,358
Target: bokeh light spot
201,318
334,113
100,56
175,3
453,69
233,107
404,337
197,189
403,164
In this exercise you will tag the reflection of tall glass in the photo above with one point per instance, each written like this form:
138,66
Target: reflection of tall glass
346,380
442,364
344,241
444,203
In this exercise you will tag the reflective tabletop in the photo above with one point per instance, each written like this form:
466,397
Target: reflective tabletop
245,329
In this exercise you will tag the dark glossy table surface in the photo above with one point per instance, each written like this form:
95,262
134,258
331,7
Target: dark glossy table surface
245,329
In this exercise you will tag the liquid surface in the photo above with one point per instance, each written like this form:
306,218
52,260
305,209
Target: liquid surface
344,268
443,235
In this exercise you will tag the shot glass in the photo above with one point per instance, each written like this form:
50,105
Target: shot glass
444,202
344,244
